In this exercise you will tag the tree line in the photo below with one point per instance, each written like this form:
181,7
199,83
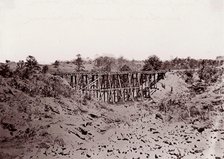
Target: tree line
152,63
109,64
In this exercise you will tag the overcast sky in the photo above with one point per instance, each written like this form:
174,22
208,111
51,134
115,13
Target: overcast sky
59,29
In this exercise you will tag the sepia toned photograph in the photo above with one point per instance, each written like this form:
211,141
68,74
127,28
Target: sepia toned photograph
111,79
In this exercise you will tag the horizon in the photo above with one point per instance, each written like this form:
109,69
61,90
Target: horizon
107,55
88,58
53,30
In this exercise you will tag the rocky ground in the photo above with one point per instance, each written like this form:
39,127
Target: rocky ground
177,123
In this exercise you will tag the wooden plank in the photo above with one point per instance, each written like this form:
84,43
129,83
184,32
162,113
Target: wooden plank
130,85
109,80
119,80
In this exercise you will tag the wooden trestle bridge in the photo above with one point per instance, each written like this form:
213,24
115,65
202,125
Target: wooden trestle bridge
114,87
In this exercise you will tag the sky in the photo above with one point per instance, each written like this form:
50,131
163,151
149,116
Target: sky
53,30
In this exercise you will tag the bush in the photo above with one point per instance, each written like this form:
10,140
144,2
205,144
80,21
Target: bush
79,63
54,86
189,75
166,65
5,70
28,68
21,64
31,63
45,69
153,63
20,68
208,74
56,64
125,68
104,63
194,112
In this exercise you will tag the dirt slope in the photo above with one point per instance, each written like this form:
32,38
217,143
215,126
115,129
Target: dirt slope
40,122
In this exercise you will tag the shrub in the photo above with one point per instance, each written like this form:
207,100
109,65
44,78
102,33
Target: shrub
208,74
162,107
107,68
20,68
26,69
153,63
79,63
194,112
31,63
166,65
104,63
45,69
21,64
5,70
56,64
121,61
125,68
189,75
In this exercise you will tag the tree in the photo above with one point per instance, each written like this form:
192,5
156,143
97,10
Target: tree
56,64
5,70
189,75
208,73
26,69
125,68
192,63
166,65
153,63
79,63
19,68
20,64
31,63
108,67
121,61
104,63
7,61
45,69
